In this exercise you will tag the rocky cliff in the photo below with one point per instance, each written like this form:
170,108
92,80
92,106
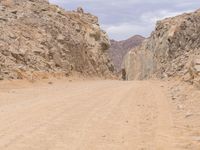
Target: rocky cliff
119,49
37,37
172,50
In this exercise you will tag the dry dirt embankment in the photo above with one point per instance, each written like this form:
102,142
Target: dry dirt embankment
98,115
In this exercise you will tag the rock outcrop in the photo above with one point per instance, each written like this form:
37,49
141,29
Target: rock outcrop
170,50
119,49
36,36
194,72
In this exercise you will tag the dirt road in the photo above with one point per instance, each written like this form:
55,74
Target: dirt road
90,115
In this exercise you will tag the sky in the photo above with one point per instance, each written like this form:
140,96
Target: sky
122,19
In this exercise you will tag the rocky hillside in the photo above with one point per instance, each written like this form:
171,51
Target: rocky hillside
119,49
172,50
37,38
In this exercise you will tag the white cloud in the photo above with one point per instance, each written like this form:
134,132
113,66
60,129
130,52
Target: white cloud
124,18
125,30
154,16
144,27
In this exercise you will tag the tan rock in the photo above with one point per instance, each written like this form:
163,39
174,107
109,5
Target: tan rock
167,52
80,10
7,3
119,49
46,38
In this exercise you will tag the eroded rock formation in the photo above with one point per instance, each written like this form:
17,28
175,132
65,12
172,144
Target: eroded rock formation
119,49
169,51
38,37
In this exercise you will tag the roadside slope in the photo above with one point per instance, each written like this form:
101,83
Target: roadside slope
38,38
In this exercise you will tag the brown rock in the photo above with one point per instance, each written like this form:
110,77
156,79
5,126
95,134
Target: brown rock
169,49
119,49
80,10
43,37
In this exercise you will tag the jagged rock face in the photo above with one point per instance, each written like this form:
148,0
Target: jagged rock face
37,36
169,50
138,64
194,71
119,49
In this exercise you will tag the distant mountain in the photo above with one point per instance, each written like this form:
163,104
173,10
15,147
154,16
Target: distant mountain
119,49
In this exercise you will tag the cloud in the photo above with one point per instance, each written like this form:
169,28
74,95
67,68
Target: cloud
125,30
124,18
144,25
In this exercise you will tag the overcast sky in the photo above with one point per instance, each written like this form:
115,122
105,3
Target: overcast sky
125,18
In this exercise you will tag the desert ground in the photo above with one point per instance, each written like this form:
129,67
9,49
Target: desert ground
99,115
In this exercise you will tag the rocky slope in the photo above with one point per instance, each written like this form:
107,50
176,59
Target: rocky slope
119,49
172,50
36,38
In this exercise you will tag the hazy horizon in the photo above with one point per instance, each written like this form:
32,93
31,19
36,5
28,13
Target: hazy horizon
123,19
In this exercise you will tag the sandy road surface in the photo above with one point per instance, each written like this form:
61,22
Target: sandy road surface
88,115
